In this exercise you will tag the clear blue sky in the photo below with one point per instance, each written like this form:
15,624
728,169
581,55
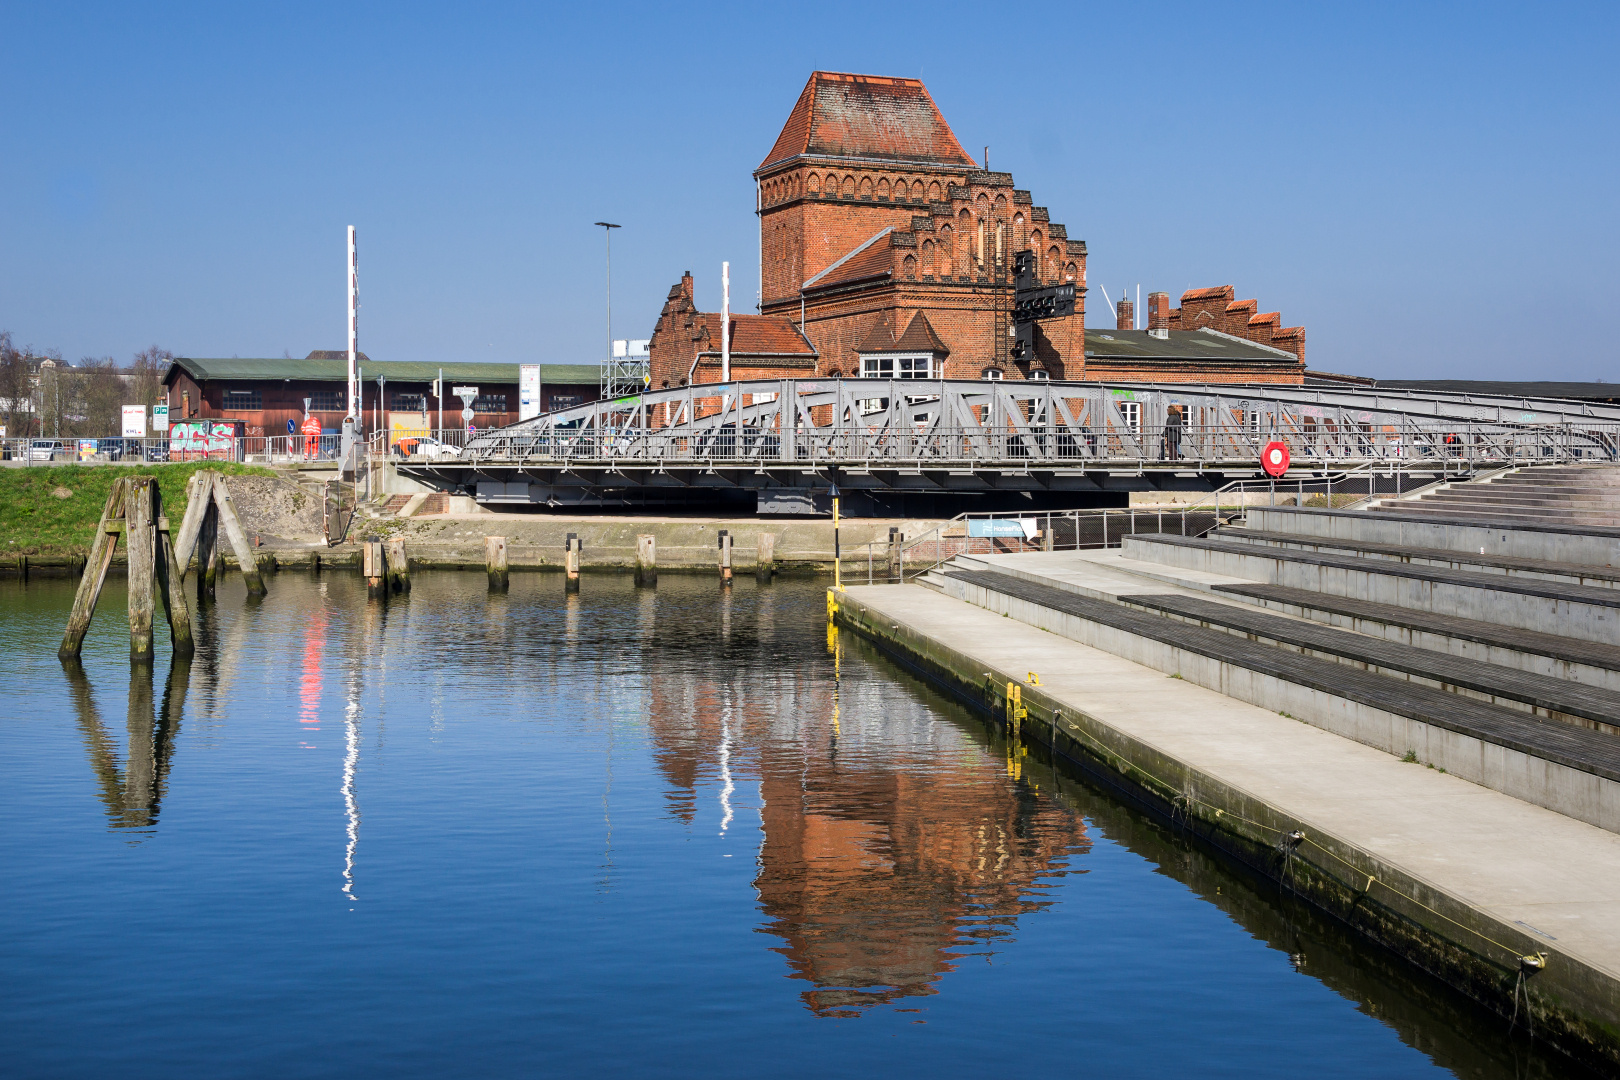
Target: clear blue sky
1430,189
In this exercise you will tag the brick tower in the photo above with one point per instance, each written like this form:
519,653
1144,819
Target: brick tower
872,217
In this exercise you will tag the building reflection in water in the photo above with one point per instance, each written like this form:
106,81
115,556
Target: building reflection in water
133,791
894,841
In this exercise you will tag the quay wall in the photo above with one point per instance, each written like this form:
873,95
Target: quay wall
1575,1005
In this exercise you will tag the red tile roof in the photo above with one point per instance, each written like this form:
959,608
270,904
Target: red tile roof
873,258
757,335
1273,317
1219,292
920,337
867,116
878,339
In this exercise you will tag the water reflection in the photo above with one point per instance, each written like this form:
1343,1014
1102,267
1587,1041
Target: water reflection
893,844
132,792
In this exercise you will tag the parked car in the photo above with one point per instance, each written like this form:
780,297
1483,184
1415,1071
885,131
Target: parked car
44,449
426,446
156,451
115,449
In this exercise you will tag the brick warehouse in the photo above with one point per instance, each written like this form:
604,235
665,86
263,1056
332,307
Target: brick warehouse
887,250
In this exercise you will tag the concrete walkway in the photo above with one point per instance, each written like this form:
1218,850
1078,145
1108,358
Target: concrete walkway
1546,882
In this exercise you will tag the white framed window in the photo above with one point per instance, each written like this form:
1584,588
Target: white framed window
992,374
897,367
1039,376
1132,412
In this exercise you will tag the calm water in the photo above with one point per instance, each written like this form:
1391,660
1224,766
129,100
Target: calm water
664,833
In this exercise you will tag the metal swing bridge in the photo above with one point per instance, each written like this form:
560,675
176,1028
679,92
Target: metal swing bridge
794,437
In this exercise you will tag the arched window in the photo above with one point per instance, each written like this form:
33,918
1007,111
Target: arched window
866,185
1018,218
1052,257
1001,204
814,184
1069,271
983,203
933,191
992,374
849,185
928,257
883,188
908,266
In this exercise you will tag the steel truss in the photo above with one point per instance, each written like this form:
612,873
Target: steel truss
856,424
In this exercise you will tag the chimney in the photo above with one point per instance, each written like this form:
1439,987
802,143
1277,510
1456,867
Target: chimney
1158,314
1125,315
686,284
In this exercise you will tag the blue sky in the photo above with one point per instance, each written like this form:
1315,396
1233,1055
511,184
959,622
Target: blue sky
1429,189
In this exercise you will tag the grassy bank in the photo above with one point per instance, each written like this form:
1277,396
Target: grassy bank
53,509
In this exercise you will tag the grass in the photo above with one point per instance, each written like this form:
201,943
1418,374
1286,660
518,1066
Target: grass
35,521
1339,499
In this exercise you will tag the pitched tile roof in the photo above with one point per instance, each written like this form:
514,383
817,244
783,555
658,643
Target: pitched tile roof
757,335
867,116
869,259
920,337
878,339
1219,292
317,369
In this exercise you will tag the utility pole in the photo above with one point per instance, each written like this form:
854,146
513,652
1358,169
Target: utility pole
610,388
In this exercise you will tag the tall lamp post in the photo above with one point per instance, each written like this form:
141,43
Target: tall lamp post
609,382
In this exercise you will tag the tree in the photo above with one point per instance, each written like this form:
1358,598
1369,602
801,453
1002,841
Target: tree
16,389
146,374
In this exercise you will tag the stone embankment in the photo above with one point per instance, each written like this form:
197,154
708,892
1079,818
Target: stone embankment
1408,719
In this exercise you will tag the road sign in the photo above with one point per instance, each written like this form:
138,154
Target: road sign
466,393
160,419
1274,458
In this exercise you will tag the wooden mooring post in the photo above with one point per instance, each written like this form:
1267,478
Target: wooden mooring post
765,560
134,510
725,557
571,557
646,559
495,563
397,565
373,569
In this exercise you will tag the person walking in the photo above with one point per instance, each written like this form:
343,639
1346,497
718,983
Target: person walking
312,438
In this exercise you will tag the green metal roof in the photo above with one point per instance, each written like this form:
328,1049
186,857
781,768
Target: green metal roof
1180,345
247,370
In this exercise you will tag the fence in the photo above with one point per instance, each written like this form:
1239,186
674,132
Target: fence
251,449
1003,533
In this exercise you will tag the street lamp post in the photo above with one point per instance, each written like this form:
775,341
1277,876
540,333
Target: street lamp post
607,357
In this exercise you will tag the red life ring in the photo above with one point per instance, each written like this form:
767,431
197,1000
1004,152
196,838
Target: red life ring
1274,458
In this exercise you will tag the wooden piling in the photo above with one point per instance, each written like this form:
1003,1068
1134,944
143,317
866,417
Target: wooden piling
232,525
397,565
373,567
139,530
495,563
95,573
199,497
170,583
765,560
646,559
571,558
725,556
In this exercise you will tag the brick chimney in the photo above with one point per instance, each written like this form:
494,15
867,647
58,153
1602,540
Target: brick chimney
1158,314
1125,315
686,284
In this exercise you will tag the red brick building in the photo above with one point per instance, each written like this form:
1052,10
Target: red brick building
887,249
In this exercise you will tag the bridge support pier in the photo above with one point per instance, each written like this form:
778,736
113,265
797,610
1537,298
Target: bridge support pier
646,559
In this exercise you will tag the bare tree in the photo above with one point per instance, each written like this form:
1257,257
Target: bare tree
146,374
94,395
16,389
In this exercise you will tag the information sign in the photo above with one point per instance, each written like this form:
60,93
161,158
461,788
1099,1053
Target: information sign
134,421
528,391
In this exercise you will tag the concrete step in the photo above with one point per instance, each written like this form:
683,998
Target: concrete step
1581,544
1554,607
1604,576
1546,696
1571,770
1513,515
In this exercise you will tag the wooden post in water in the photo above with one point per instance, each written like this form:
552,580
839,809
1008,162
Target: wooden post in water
725,557
139,534
170,582
397,565
765,562
372,568
199,497
646,559
571,562
208,549
239,545
95,572
495,563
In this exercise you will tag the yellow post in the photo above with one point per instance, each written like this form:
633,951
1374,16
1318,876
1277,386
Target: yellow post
838,575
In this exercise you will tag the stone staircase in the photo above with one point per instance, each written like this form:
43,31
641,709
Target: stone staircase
1569,495
1501,666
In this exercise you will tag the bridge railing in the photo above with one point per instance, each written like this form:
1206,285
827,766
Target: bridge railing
1462,444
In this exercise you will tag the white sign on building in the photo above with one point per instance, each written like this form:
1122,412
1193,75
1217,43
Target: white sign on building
528,391
134,421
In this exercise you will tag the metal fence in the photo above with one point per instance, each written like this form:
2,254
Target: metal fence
250,449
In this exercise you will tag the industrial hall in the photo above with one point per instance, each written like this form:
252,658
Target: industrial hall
887,251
